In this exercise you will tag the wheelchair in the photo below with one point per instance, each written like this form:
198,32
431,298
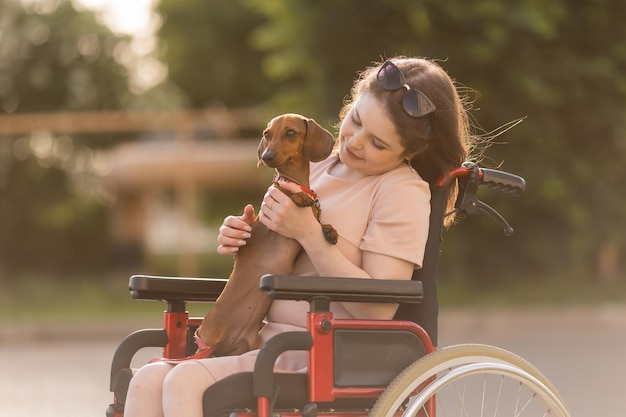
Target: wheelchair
380,368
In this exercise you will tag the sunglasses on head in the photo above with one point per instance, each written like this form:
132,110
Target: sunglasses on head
415,103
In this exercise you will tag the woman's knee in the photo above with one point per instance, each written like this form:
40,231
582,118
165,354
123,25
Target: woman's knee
183,389
187,376
148,380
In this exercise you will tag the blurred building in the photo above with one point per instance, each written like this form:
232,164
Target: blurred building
151,183
156,186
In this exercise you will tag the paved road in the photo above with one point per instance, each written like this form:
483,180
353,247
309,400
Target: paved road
582,351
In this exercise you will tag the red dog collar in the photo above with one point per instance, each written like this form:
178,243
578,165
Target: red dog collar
288,184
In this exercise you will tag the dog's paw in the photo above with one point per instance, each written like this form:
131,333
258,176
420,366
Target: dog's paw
330,233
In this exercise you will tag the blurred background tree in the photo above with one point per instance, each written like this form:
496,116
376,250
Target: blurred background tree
208,53
53,58
559,67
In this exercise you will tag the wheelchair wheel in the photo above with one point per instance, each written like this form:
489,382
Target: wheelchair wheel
470,380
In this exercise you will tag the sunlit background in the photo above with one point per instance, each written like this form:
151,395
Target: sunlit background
137,19
128,130
96,95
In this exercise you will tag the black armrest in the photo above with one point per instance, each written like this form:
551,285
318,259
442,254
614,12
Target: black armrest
282,287
144,287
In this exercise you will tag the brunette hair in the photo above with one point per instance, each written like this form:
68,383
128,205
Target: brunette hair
434,143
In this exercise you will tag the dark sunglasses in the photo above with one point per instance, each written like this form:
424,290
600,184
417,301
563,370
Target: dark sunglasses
415,103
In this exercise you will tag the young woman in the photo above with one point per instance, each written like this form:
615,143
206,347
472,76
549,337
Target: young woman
404,126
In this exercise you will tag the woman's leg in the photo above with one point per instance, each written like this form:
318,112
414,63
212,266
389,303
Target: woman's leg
184,386
163,389
145,392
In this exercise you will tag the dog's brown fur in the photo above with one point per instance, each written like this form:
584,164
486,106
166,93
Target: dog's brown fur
231,327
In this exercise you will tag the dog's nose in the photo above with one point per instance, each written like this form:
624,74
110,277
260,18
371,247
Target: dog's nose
268,156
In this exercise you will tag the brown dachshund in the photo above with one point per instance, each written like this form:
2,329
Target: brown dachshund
288,144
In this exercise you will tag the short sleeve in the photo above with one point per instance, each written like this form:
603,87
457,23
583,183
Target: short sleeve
399,218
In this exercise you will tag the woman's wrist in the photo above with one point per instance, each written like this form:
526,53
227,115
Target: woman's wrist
313,240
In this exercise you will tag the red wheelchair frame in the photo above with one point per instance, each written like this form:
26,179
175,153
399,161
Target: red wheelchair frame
342,379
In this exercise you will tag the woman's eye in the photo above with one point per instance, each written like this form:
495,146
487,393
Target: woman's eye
377,145
355,120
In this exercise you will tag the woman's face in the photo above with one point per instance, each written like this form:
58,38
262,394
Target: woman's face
368,140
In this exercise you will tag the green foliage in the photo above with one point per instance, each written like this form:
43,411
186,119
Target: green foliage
559,66
59,59
45,227
53,58
206,46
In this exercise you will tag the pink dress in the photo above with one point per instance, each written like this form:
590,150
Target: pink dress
386,214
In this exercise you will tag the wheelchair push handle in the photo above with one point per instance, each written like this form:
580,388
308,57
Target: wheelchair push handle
490,178
470,177
503,181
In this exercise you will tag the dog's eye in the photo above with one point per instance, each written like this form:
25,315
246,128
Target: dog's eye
291,133
266,135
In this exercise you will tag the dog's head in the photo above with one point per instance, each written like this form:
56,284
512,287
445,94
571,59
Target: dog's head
292,138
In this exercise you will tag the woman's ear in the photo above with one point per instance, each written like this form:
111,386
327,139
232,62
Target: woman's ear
318,143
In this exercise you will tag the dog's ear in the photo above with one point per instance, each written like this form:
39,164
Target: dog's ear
260,150
318,143
263,145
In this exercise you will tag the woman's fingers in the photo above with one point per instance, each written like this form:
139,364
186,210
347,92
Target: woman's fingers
227,250
234,231
277,210
273,200
235,227
231,244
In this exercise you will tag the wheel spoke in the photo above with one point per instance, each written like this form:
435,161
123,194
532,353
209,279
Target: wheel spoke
471,381
521,411
498,397
461,396
482,404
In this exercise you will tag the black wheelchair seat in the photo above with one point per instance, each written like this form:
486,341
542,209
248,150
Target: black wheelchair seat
236,393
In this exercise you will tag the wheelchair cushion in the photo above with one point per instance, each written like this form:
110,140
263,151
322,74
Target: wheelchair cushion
235,393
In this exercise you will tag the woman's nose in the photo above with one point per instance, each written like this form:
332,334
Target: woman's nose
356,140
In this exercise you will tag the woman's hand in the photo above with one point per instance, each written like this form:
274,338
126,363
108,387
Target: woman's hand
280,214
234,231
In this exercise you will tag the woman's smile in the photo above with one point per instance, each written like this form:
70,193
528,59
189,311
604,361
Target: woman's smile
349,152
